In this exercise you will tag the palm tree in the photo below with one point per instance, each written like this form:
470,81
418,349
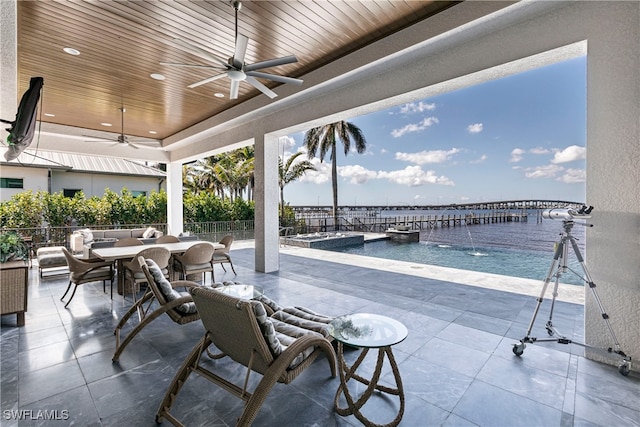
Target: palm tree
324,138
289,172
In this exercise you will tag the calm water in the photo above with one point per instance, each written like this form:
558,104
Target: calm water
520,249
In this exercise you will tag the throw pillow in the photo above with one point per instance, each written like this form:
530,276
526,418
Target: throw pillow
149,233
167,290
87,235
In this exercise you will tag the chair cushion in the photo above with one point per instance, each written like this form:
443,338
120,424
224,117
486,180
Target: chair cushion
267,328
304,318
167,290
279,334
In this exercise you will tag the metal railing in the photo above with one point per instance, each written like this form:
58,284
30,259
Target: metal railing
215,230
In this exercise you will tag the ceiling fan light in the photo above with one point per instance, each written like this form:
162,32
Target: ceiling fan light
236,75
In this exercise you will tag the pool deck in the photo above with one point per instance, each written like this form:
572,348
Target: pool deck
457,364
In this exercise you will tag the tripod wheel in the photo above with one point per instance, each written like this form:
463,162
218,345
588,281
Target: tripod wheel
518,349
624,368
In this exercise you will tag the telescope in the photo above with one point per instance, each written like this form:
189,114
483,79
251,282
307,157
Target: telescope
568,214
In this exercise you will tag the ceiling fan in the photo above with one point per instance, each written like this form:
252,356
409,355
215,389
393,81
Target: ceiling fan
235,68
122,138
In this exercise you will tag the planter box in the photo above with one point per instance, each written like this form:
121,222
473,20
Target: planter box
14,280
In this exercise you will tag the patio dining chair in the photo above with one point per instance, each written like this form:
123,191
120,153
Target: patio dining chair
127,241
241,329
177,305
81,272
195,260
133,273
221,256
167,238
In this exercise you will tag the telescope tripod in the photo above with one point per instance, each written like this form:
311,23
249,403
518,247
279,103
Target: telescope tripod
558,267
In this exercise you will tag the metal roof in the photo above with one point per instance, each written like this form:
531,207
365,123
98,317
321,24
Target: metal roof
81,163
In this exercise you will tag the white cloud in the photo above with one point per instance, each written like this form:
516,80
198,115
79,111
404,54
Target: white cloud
414,176
415,127
424,157
516,155
549,171
420,107
475,128
479,160
539,150
356,174
573,176
570,154
321,175
286,144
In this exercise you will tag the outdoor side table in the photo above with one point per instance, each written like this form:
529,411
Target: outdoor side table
367,331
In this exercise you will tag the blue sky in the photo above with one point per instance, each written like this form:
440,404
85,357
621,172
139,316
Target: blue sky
520,137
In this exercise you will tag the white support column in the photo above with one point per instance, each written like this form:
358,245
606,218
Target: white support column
9,63
266,203
175,215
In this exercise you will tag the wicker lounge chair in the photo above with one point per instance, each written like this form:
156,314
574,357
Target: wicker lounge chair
221,256
279,352
178,306
81,272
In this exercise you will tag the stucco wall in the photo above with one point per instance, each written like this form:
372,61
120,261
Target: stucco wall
95,184
33,179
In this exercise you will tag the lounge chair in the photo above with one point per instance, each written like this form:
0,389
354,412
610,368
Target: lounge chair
242,330
178,306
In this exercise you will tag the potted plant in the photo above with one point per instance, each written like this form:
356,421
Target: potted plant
14,275
12,247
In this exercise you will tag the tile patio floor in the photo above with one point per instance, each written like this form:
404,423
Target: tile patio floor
457,364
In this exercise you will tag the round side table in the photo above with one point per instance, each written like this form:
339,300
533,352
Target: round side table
367,331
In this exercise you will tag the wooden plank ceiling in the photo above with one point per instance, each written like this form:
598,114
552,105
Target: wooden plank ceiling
121,43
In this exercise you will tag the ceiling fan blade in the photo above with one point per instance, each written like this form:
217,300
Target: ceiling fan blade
241,50
274,77
207,80
235,85
200,52
262,88
208,67
271,63
132,145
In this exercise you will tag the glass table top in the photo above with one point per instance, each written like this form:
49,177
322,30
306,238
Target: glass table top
367,330
241,291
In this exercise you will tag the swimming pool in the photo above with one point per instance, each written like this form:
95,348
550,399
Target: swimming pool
514,249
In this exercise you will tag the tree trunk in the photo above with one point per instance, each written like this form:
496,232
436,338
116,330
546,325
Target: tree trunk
334,183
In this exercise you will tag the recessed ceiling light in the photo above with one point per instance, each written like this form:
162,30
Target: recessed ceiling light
157,76
71,51
218,95
153,132
106,124
49,115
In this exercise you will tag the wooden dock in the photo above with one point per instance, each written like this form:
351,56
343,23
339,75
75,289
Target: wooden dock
375,224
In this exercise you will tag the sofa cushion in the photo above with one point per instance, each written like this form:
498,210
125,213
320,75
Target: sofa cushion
137,232
98,234
117,234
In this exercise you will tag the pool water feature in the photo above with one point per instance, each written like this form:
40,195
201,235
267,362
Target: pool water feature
324,240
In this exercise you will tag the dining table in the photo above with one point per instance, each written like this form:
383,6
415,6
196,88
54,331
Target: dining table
127,253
